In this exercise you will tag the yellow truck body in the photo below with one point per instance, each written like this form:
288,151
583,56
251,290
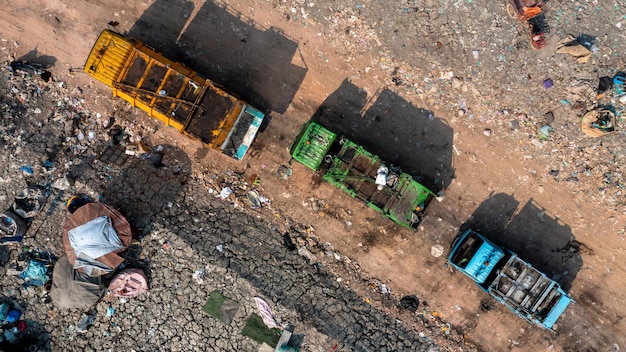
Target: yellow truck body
173,93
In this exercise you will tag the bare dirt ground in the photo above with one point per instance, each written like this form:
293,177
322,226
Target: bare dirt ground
299,60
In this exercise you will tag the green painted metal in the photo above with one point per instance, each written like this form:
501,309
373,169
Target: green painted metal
312,145
353,170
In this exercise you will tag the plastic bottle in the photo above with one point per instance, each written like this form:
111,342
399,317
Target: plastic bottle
226,191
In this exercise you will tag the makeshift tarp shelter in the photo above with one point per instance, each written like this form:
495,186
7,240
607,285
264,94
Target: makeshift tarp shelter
72,288
92,237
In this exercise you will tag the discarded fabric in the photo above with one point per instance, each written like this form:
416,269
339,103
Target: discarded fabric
35,274
266,312
220,307
129,283
569,45
93,240
259,332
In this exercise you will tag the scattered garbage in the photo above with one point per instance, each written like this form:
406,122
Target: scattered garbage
436,250
544,132
618,81
4,310
548,117
548,83
226,191
13,315
110,312
257,200
288,341
12,326
30,202
288,242
85,322
198,275
307,254
284,172
572,46
8,225
62,184
598,122
76,201
531,12
27,169
30,69
605,83
410,303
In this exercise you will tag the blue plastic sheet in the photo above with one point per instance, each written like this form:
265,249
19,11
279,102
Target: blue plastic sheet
35,274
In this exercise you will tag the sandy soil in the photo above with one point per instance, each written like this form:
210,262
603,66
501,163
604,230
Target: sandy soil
250,47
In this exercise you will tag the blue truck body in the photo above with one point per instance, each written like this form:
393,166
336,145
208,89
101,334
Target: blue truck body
512,281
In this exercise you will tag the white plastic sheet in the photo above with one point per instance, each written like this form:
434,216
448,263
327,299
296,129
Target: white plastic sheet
92,240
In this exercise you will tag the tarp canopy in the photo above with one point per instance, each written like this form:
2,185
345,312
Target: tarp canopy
93,236
94,239
72,288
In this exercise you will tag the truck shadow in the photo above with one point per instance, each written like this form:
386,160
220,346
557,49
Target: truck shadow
394,129
34,56
145,187
533,233
231,49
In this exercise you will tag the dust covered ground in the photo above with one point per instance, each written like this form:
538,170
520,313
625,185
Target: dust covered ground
451,91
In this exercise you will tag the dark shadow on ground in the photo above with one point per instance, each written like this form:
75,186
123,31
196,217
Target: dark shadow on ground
33,56
35,335
258,254
161,25
253,62
141,180
395,130
533,233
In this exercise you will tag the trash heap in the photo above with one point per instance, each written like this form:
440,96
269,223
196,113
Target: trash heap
94,236
13,327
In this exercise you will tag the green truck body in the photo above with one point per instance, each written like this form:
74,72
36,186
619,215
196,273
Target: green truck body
361,174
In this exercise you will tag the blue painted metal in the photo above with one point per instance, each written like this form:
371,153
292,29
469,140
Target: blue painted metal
512,281
251,133
557,310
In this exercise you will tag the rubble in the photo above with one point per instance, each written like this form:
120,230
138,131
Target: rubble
478,69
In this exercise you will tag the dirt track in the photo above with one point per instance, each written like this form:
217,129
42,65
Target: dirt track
343,64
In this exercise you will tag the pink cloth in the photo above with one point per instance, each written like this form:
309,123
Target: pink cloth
266,313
